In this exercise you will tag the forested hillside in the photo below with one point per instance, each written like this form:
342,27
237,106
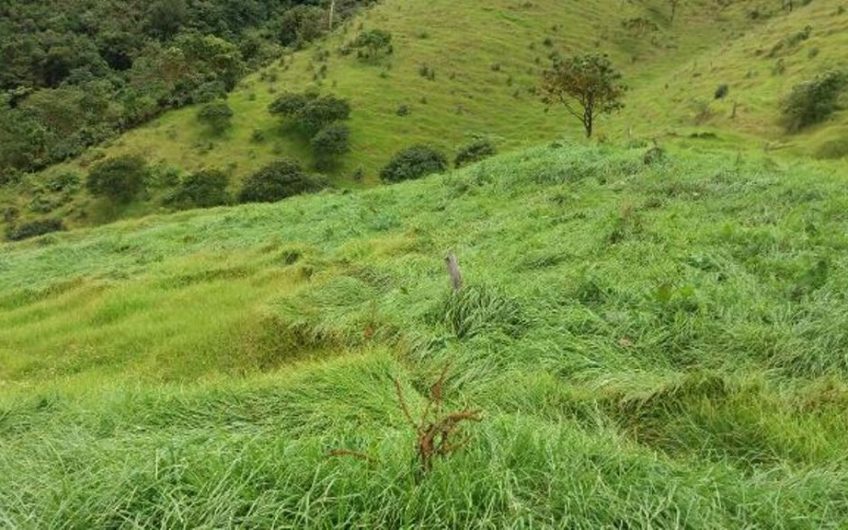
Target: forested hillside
76,72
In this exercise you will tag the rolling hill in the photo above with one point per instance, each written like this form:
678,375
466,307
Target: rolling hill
485,63
652,344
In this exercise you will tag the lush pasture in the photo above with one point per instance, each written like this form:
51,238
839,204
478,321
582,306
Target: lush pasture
655,345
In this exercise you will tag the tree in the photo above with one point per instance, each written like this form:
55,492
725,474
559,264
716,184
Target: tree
309,111
813,101
372,44
413,163
330,142
120,179
275,182
587,86
165,17
203,189
216,115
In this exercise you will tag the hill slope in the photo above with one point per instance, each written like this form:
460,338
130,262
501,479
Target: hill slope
649,345
486,61
760,69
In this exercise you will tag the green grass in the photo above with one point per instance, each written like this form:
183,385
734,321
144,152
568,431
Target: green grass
488,60
651,346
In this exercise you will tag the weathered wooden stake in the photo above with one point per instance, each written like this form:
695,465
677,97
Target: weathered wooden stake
453,269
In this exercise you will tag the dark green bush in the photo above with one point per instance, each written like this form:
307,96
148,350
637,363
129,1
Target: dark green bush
119,179
281,179
372,44
474,152
722,91
34,229
414,162
203,189
217,116
309,111
813,101
332,141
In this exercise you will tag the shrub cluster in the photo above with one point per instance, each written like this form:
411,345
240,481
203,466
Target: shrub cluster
34,229
414,162
813,101
216,116
277,181
474,152
320,120
119,179
203,189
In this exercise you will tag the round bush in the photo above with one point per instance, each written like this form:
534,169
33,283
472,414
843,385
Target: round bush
475,152
217,116
281,179
414,162
120,179
34,229
203,189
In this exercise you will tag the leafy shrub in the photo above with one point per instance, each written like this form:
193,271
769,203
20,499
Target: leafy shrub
474,152
414,162
332,141
216,116
119,179
67,181
301,24
372,44
280,179
309,111
813,101
34,229
204,189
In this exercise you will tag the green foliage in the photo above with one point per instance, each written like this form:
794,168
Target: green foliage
301,24
78,72
372,44
34,229
476,310
476,151
203,189
587,86
813,101
217,116
704,388
413,163
277,181
331,142
309,111
120,179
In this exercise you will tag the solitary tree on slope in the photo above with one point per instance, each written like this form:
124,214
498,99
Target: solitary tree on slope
587,86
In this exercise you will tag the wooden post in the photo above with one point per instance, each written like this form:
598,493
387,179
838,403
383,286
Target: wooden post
453,269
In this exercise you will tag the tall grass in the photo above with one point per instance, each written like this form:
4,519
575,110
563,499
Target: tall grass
195,370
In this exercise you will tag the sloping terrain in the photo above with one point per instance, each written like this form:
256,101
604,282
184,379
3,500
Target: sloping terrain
648,345
760,69
481,65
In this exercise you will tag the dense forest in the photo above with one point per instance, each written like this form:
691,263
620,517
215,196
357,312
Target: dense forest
75,72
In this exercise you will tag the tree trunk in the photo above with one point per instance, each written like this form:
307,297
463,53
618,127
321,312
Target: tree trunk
332,13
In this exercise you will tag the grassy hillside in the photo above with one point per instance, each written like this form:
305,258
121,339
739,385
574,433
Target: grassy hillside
487,59
760,68
653,345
